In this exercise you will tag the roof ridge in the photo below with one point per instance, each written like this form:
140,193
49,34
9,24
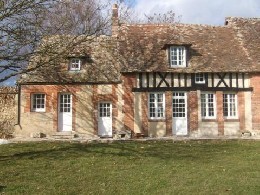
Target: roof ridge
242,18
172,25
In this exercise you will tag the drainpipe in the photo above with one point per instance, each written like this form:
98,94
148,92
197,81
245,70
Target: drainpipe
19,105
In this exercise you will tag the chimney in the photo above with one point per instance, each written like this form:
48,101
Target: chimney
231,21
115,20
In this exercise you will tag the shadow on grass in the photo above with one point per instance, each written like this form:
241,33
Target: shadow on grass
2,188
192,150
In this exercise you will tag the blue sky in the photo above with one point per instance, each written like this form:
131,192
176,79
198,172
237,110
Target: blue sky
201,11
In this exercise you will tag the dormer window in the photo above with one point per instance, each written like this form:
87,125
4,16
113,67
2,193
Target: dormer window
75,64
200,78
177,56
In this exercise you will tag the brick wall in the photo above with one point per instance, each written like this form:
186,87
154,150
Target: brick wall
168,107
255,83
193,111
220,115
129,81
241,110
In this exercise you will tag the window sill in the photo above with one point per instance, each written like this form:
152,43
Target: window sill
209,120
178,67
231,120
38,111
156,120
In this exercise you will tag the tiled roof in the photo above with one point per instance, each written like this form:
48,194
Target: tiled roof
98,56
213,48
248,33
234,47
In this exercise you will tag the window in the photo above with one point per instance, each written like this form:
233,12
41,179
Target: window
208,105
156,105
230,105
104,110
179,105
38,102
65,102
199,78
177,56
75,64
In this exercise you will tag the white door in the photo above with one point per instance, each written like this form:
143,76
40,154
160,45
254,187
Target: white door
65,112
179,113
105,120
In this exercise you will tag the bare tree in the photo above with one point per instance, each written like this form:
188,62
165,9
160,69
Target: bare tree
168,17
24,23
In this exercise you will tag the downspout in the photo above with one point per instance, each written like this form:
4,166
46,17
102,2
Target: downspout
19,106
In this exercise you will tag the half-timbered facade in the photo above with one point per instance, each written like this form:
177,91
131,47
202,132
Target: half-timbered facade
150,80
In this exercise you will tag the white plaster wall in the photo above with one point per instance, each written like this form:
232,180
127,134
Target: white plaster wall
84,110
226,79
231,128
182,80
156,129
37,122
234,80
34,122
209,80
175,80
208,129
168,79
137,80
247,80
188,80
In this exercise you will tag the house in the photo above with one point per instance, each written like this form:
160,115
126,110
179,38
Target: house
151,80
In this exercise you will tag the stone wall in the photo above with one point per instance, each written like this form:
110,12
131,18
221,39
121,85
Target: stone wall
8,110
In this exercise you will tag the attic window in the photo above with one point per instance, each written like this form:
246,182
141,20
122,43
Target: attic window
177,56
75,64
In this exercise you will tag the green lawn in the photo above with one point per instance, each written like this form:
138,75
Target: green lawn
154,167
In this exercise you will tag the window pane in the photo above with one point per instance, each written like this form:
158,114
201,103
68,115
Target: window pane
156,105
178,105
208,105
75,64
229,105
177,55
38,102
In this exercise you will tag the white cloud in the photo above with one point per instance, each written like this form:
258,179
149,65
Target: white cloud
202,11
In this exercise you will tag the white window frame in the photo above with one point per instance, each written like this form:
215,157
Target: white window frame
105,111
199,78
180,51
75,62
156,107
35,104
179,95
227,99
207,103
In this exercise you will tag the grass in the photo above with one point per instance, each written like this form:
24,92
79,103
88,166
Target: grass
154,167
